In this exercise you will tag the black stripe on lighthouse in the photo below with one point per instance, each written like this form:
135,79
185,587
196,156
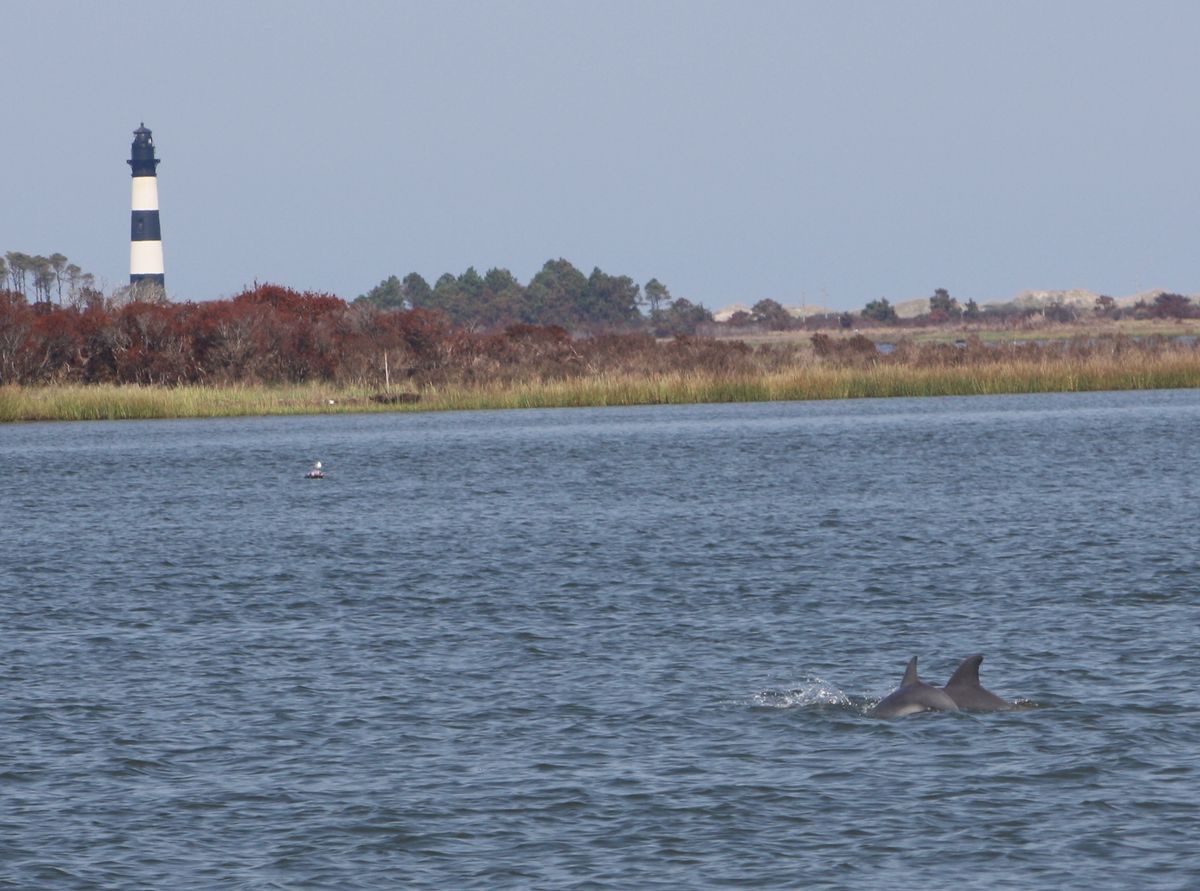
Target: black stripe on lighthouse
145,232
145,226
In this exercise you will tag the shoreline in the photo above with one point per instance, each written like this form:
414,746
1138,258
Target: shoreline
79,402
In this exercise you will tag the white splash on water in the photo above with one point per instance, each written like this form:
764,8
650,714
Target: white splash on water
814,691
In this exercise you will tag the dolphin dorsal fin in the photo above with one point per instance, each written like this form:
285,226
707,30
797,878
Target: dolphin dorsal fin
967,674
910,673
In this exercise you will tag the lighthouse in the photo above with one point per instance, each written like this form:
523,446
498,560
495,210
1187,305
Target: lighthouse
145,248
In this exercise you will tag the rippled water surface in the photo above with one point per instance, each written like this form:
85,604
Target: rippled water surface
622,648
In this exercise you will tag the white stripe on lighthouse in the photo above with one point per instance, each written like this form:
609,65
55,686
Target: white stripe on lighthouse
145,258
145,193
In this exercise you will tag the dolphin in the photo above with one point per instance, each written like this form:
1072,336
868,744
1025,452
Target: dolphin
913,695
964,688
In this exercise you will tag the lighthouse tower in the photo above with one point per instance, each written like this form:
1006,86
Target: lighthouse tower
145,249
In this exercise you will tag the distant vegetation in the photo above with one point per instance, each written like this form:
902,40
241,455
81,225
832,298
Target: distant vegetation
274,335
488,340
45,279
558,295
944,309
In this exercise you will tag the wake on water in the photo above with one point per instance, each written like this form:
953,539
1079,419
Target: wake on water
817,693
814,691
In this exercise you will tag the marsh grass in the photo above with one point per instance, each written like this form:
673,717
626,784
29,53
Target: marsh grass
79,402
802,380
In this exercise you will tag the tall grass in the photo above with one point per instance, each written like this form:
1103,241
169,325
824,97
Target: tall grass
802,380
81,402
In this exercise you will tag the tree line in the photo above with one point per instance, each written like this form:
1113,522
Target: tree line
55,325
273,334
48,278
944,308
559,294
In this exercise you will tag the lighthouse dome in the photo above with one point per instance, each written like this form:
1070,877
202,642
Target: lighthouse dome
141,157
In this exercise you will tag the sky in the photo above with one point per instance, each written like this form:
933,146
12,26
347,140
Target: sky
826,153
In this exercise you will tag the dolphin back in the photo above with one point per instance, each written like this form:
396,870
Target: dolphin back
913,695
913,698
966,691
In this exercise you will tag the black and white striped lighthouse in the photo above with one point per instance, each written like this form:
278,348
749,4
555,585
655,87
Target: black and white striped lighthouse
145,248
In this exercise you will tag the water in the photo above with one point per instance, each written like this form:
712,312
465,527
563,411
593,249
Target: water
603,649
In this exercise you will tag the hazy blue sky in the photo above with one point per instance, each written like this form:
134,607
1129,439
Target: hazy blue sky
821,151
